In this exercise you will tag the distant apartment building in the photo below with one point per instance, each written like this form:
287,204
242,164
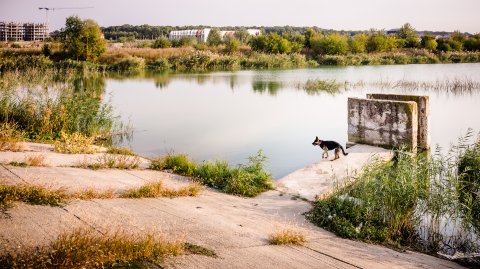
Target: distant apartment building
199,34
15,31
202,34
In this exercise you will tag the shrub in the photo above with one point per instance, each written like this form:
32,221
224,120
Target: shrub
159,64
128,64
10,137
179,164
161,43
74,143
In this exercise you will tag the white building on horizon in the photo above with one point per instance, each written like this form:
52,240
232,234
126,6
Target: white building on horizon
199,34
202,34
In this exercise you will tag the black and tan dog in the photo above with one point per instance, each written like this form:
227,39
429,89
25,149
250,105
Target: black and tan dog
329,145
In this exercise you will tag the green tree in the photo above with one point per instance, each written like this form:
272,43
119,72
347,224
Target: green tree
214,38
378,42
429,42
161,43
82,40
333,44
271,43
231,45
242,35
297,41
409,34
472,43
308,36
358,43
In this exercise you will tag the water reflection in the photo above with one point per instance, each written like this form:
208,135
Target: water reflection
230,115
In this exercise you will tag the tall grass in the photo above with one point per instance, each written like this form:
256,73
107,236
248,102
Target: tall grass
409,201
45,103
245,180
316,86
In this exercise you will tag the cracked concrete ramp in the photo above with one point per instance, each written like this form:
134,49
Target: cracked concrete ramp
320,178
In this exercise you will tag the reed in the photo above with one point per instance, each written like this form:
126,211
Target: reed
43,104
390,202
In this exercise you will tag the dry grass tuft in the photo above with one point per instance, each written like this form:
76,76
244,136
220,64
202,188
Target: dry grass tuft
111,161
287,237
32,194
35,160
157,189
91,193
75,143
84,248
10,137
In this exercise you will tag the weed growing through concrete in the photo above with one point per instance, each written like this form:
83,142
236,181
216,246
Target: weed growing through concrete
287,237
245,180
91,193
84,248
111,161
31,194
157,189
199,250
75,143
35,160
179,164
121,151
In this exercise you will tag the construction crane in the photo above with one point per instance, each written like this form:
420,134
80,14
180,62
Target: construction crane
47,9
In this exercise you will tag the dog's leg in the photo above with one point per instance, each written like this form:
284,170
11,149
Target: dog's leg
337,154
325,153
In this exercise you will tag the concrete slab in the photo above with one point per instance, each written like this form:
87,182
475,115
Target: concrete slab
236,228
320,178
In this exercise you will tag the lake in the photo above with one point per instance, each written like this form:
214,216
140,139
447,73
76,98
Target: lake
232,115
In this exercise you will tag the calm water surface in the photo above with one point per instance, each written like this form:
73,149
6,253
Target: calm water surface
231,115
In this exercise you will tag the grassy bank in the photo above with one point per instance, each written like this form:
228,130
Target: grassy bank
244,180
49,104
194,60
409,202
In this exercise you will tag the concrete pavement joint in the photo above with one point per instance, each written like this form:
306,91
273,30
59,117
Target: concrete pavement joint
333,257
83,221
17,176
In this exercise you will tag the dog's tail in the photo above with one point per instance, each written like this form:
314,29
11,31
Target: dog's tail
344,153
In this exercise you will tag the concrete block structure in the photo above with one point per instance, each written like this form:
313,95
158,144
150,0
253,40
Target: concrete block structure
384,123
15,31
423,106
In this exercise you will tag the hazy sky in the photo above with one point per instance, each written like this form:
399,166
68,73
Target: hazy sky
446,15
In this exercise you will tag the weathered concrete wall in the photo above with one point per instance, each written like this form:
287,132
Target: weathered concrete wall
423,106
385,123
